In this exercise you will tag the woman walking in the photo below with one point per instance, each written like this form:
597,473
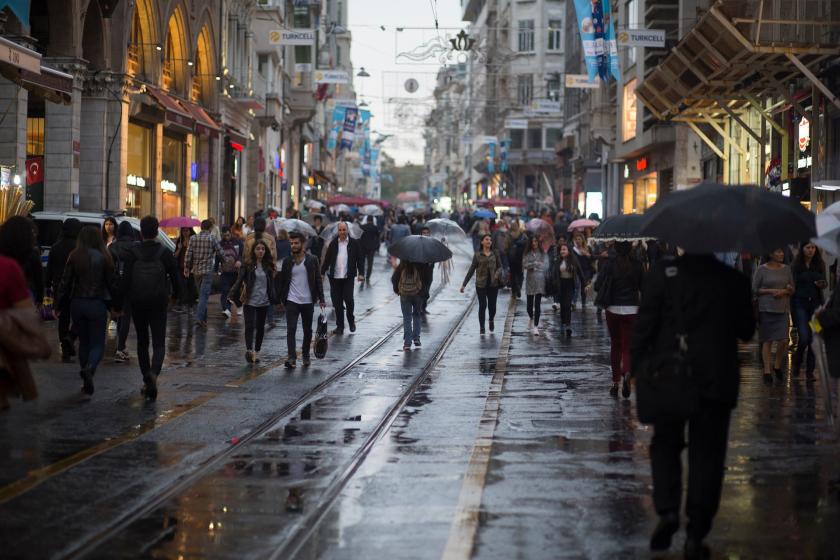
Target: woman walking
584,257
487,267
88,285
109,230
534,264
120,250
257,276
565,275
773,286
809,282
619,288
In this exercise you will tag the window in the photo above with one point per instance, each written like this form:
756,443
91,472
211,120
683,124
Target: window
553,136
525,89
262,65
628,111
552,88
555,35
526,35
632,23
338,56
517,139
535,138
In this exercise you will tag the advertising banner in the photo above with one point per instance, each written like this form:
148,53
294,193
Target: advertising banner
503,156
348,130
335,127
598,36
491,153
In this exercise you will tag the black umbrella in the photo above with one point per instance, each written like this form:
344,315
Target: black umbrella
711,218
420,249
624,227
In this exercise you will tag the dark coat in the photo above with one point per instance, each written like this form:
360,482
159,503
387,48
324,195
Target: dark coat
624,287
370,238
120,249
717,311
60,251
552,279
97,280
146,250
316,285
355,259
830,320
248,274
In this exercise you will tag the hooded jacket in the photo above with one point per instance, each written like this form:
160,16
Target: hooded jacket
60,251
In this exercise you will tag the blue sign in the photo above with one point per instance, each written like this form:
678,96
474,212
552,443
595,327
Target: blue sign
491,152
337,122
503,156
348,133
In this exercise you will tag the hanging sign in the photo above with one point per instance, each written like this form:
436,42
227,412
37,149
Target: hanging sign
581,81
489,139
642,38
19,56
545,106
300,37
516,124
804,134
598,37
331,77
348,132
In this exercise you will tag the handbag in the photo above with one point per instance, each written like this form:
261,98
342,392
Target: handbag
602,299
669,391
321,337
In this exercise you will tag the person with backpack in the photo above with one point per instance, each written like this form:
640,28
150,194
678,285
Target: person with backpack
487,267
257,277
300,287
408,284
229,264
119,249
150,278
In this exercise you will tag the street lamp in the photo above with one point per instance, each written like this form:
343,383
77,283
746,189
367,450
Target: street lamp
363,73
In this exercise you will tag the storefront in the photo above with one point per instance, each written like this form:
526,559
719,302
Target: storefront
172,174
642,184
138,200
201,161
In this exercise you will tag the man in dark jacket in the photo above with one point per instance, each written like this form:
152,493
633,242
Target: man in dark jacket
59,253
370,244
300,288
342,262
120,249
716,311
150,280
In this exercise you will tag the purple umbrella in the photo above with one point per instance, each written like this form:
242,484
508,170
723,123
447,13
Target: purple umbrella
179,222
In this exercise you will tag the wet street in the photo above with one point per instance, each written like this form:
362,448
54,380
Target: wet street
498,446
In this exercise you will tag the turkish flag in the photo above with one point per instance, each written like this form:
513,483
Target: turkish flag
34,170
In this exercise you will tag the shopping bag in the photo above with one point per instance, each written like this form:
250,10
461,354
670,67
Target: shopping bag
47,313
321,337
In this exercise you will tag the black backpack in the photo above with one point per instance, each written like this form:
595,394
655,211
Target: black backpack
148,280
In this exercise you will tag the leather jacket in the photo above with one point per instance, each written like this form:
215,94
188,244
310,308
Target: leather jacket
316,284
248,274
95,281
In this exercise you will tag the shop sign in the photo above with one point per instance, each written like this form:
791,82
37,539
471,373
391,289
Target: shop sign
332,77
804,134
641,164
303,67
489,140
516,124
545,106
642,38
136,181
581,81
168,186
20,56
300,37
804,162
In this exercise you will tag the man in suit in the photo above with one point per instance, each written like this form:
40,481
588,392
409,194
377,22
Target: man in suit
343,261
713,304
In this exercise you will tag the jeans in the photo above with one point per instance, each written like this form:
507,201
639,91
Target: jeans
254,317
203,295
564,298
226,282
517,277
305,311
486,302
412,307
153,320
123,326
802,313
369,264
708,431
341,293
90,317
532,306
621,332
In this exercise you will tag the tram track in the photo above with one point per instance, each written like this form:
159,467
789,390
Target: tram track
90,543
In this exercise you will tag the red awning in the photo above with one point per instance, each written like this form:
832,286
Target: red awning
204,123
176,113
508,202
352,200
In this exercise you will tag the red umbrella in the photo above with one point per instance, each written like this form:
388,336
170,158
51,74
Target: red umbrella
508,202
583,224
179,222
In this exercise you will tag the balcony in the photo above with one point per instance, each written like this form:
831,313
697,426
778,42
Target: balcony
300,97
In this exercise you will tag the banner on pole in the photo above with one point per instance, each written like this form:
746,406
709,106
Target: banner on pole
348,131
598,36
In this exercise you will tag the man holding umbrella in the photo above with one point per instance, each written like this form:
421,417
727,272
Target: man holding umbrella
343,260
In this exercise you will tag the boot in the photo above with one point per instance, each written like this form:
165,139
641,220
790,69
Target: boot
669,523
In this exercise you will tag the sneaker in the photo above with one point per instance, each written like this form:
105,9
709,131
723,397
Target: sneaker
87,380
481,331
121,356
555,307
417,343
256,356
625,386
492,325
352,324
306,361
289,364
150,389
768,379
535,331
406,347
530,324
226,313
249,356
568,333
338,331
614,390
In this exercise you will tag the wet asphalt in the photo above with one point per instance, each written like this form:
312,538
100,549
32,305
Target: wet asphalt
498,446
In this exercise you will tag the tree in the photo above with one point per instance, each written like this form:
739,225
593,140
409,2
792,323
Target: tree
400,178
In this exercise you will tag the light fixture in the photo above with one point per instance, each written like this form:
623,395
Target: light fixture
158,47
218,77
363,103
190,63
363,73
231,86
16,179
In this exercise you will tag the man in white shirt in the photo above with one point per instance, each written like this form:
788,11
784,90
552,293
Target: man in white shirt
342,262
300,288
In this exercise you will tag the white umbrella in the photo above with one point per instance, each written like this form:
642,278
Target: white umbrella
339,208
293,224
827,221
829,242
446,228
371,210
317,204
355,230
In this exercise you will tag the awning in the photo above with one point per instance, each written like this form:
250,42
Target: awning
176,113
733,56
204,123
25,67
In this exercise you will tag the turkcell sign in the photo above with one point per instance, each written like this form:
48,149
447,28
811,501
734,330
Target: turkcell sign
332,77
516,124
642,38
300,37
581,81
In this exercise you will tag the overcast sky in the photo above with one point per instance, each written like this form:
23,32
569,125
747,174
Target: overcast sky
395,111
